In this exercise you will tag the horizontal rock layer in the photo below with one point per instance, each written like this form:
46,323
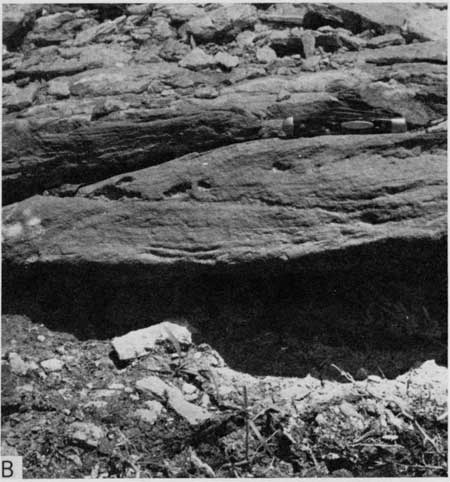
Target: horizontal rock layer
295,203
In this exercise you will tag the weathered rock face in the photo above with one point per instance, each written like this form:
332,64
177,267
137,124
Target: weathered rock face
259,203
95,90
192,96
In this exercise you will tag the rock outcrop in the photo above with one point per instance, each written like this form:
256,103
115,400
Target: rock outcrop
95,91
259,203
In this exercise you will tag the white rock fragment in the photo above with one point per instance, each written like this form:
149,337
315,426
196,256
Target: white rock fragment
18,366
265,55
197,59
41,338
52,365
151,413
137,343
86,433
96,404
188,388
226,60
153,385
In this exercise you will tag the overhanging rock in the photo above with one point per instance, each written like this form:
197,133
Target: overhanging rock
267,203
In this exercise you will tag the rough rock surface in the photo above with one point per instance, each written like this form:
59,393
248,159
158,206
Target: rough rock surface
92,92
263,201
146,177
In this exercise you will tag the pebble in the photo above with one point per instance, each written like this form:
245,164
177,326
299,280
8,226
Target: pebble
41,338
188,388
52,365
86,432
206,92
151,413
137,343
192,413
265,55
283,95
18,366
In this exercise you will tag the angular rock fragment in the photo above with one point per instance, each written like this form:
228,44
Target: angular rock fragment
52,365
138,343
59,88
17,365
197,59
385,41
284,14
173,50
265,55
86,433
226,61
151,413
192,413
16,98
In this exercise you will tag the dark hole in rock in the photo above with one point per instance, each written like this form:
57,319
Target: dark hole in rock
204,183
288,47
282,165
265,322
125,179
179,188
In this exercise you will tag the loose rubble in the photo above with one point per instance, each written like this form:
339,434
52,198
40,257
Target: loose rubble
138,343
201,400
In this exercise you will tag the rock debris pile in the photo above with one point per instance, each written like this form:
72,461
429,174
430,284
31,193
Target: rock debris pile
187,395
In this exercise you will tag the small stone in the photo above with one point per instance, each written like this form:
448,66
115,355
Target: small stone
206,92
86,433
146,415
385,41
15,98
283,95
311,64
28,387
374,379
138,343
23,82
265,55
226,61
151,413
104,393
309,44
173,50
245,38
341,473
18,366
197,59
193,414
140,8
41,338
153,385
96,404
284,71
188,388
116,386
32,366
349,410
59,88
52,365
320,419
352,42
